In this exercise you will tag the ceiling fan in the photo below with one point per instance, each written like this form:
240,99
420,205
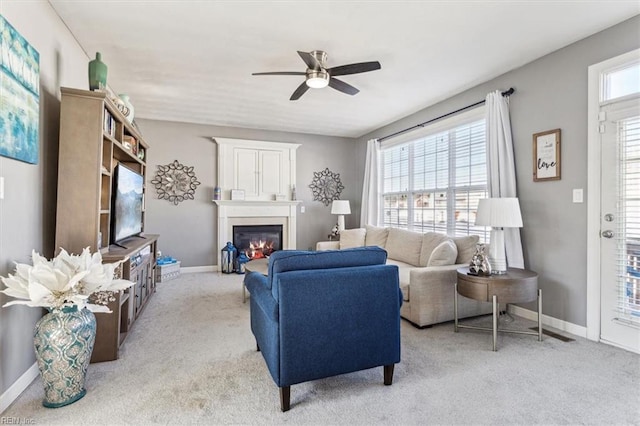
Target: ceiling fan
319,76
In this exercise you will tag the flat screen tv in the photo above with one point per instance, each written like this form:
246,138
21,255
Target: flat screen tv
126,207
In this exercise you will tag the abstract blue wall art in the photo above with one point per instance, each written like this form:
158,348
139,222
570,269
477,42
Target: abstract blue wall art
19,96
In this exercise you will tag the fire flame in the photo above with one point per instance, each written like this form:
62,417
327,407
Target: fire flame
259,249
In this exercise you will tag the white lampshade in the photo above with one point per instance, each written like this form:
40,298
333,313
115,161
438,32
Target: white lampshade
340,207
498,213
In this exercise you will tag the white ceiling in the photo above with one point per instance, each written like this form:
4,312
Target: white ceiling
191,61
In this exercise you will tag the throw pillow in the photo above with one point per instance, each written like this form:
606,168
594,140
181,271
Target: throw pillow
445,253
376,236
350,238
404,246
466,248
430,241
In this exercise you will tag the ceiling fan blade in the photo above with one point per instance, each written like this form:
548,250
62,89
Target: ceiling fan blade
279,73
311,62
299,91
342,86
354,68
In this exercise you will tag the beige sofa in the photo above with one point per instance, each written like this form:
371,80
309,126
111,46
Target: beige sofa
427,266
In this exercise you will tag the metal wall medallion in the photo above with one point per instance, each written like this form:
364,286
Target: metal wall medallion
326,186
175,182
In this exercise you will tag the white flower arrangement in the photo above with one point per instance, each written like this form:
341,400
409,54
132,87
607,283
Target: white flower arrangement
65,281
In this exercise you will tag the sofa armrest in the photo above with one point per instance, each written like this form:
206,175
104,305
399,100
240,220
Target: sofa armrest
327,245
256,283
435,273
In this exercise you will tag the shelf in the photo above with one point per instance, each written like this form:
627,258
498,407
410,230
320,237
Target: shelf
87,157
108,137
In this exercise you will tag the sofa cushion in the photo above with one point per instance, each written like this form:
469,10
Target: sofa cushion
430,241
376,236
466,248
404,246
350,238
444,254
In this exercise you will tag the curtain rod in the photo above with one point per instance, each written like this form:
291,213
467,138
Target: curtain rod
505,93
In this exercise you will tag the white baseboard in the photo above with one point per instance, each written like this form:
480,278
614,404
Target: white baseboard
556,323
18,387
194,269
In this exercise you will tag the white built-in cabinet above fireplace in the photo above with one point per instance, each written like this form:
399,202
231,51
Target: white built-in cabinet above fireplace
265,171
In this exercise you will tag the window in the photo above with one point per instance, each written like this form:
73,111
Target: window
434,181
620,82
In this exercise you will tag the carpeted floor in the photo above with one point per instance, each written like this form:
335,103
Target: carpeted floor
191,359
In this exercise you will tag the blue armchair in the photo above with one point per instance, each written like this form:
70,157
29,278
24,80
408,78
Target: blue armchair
322,313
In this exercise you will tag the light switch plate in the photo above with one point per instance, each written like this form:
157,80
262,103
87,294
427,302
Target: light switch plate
577,195
1,188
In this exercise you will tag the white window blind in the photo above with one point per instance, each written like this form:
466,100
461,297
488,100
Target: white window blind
433,183
628,233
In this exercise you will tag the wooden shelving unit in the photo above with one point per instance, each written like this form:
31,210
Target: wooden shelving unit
94,138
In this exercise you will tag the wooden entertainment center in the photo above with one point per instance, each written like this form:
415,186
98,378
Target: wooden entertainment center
95,138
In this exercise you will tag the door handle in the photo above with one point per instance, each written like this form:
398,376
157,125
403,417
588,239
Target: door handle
607,234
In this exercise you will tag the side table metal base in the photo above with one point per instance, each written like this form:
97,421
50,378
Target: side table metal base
494,329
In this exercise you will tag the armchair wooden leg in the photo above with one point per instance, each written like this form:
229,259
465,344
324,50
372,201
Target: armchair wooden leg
285,398
388,374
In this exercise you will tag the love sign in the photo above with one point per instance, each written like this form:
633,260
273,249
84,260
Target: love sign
546,155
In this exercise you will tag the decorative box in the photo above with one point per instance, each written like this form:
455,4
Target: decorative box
167,271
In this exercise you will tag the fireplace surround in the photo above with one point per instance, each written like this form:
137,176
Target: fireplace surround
243,213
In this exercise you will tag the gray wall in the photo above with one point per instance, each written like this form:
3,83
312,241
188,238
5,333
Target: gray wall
27,213
188,231
551,93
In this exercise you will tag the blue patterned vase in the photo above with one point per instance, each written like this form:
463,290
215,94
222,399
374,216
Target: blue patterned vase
63,342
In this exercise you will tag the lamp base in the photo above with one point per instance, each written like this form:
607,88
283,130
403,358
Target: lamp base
340,222
497,256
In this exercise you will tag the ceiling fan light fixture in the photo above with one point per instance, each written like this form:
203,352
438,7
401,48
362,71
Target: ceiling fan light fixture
317,79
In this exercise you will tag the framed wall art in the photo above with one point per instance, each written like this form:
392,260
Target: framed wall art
546,155
19,96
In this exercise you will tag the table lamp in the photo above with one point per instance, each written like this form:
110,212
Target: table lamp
499,213
340,207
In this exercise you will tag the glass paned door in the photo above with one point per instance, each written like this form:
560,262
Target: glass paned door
620,225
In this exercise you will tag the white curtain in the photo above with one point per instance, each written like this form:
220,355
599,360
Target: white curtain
370,207
501,167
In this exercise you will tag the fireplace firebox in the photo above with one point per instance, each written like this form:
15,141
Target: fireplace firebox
257,241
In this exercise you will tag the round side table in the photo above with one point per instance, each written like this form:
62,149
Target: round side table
516,286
